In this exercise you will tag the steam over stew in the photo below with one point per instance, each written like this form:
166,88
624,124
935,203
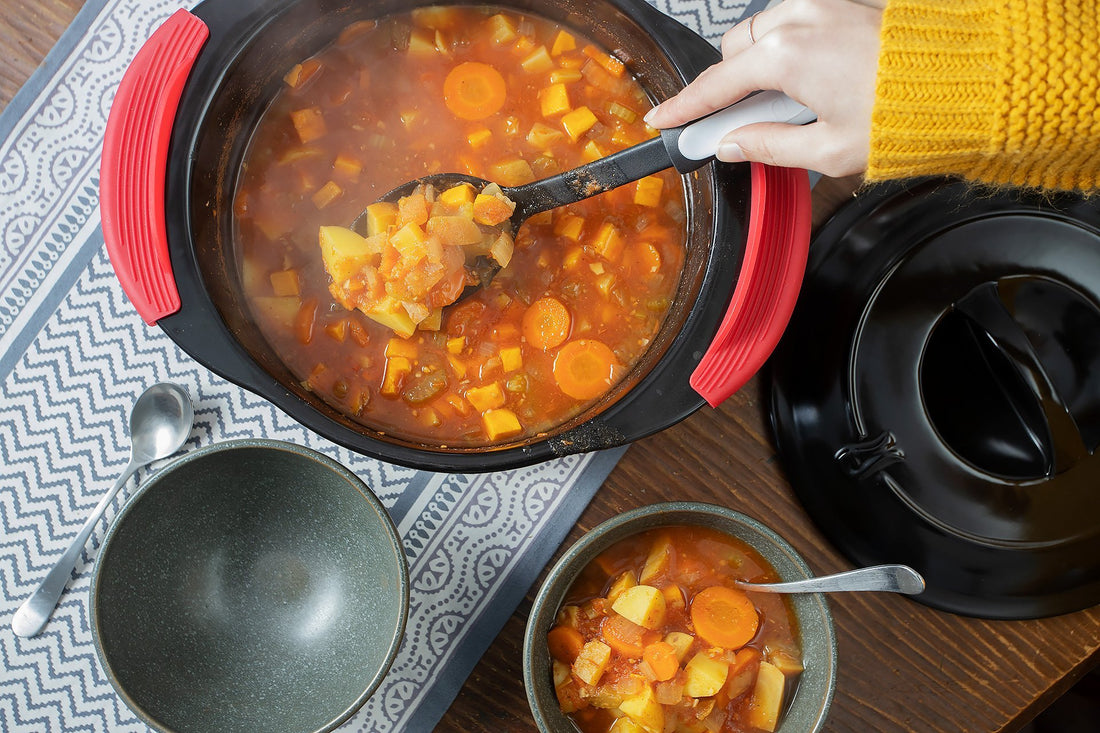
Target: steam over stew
654,637
475,90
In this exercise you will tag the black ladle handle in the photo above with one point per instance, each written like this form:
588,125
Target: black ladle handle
684,148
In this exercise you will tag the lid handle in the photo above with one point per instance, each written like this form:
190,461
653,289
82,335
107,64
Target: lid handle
987,311
868,456
767,287
135,158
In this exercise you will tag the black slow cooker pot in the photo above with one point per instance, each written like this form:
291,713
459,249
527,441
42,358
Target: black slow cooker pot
181,122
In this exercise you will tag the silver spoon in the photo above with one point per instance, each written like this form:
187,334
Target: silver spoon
159,424
885,578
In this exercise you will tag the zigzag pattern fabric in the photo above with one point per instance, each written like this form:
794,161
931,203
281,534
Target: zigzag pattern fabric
74,355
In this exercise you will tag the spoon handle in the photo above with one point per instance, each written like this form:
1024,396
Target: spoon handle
31,617
885,578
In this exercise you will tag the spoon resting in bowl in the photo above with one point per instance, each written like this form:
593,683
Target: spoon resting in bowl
882,578
400,275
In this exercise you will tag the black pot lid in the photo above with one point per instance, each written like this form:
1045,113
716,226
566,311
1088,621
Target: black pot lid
936,396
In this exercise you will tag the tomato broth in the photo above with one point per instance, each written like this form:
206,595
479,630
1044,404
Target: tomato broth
492,93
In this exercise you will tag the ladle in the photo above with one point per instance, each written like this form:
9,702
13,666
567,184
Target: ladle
884,578
685,148
160,422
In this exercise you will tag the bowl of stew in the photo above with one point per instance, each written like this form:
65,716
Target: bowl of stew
293,116
638,627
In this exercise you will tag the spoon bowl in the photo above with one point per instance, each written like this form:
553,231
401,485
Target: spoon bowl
882,578
160,422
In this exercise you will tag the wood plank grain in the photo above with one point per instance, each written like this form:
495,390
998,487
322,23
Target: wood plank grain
28,30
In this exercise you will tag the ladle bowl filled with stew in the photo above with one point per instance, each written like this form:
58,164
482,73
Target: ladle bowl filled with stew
295,117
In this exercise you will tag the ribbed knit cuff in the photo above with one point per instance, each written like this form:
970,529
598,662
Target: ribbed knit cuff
1000,91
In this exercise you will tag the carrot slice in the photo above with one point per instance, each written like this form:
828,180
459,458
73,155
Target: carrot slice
546,323
565,643
584,369
473,91
724,616
661,658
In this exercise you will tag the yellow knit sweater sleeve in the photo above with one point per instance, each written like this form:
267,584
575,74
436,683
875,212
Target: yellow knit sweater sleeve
998,91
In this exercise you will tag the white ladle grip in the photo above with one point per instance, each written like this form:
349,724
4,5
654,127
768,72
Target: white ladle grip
699,140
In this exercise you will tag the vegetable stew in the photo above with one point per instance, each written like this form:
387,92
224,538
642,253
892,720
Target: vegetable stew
491,93
413,260
654,637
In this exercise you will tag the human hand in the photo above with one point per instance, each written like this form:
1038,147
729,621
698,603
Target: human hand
821,53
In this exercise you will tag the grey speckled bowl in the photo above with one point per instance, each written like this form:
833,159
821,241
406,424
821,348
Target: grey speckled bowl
805,713
252,585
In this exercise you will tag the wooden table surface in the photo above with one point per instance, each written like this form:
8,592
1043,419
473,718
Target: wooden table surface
903,666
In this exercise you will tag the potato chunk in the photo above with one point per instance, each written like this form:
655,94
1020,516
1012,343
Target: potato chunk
590,664
644,710
705,675
391,314
623,582
767,697
642,604
344,252
561,673
681,642
657,560
785,661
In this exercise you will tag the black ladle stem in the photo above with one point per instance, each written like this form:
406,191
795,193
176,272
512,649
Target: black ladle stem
684,148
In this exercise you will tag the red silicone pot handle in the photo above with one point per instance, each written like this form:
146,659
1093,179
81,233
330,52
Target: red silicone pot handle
767,286
135,157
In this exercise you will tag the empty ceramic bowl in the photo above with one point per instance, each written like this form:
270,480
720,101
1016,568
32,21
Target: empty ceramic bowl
252,585
807,695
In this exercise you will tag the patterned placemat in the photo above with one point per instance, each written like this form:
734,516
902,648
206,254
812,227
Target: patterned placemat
74,356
